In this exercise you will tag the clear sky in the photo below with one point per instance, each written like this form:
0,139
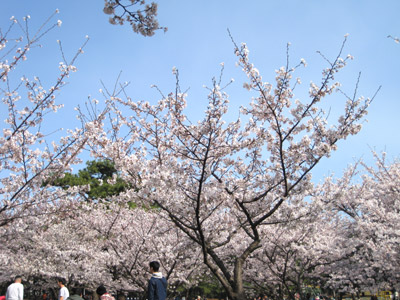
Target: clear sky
197,42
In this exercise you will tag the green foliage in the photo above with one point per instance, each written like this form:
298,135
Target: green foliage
207,287
96,175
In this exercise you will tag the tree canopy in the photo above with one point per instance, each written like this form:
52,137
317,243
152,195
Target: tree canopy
225,197
99,175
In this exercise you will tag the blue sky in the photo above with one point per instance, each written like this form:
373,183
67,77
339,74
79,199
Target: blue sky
197,42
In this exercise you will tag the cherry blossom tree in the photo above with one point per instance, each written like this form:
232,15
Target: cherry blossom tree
221,183
29,154
368,196
107,243
47,247
133,237
299,250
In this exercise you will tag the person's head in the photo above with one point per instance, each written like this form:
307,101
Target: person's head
18,279
61,282
297,296
77,291
44,296
101,290
154,266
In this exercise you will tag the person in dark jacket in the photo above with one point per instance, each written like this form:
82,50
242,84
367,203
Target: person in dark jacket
76,294
157,288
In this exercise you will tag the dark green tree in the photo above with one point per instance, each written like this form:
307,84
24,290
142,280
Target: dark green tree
97,175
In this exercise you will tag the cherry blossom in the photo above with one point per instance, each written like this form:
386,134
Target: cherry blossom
139,14
107,243
29,156
368,196
221,183
232,199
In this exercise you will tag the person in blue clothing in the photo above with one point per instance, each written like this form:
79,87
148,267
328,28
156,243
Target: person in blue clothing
157,288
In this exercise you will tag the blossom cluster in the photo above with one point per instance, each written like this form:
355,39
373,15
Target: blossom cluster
142,17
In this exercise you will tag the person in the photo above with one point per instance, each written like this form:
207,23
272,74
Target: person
102,292
15,291
64,293
157,287
76,294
